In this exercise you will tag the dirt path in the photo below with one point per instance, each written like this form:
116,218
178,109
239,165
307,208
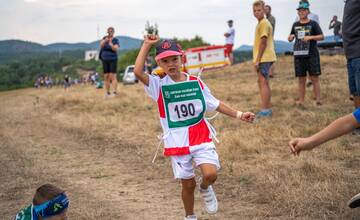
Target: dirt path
104,179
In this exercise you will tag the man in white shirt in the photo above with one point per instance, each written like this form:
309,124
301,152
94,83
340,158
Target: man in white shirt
229,41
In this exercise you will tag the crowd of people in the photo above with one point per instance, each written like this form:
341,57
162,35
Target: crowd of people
46,81
183,99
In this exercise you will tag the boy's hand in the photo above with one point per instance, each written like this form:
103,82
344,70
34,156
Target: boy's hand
248,117
307,38
299,144
256,66
151,39
291,37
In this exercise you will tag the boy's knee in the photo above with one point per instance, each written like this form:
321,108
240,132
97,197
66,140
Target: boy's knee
210,177
302,79
314,78
262,81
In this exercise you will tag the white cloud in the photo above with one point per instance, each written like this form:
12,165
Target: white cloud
48,21
67,3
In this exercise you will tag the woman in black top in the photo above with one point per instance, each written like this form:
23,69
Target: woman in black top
108,55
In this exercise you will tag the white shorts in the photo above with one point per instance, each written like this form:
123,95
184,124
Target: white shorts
183,167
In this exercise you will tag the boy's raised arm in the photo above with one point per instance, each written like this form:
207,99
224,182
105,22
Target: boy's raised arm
149,41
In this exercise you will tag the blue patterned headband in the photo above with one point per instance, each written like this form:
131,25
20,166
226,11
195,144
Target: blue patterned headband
52,207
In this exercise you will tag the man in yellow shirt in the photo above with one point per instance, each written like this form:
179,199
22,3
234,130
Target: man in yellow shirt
263,56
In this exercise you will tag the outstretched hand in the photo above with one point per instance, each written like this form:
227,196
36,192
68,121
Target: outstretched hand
248,117
151,39
299,144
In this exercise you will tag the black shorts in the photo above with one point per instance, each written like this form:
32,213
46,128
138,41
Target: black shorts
304,65
109,66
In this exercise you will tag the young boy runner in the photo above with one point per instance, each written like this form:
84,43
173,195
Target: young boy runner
336,129
182,102
49,202
263,56
306,55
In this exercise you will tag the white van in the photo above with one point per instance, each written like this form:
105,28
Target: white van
129,75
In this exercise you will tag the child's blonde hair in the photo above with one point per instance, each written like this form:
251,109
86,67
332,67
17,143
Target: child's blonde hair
259,3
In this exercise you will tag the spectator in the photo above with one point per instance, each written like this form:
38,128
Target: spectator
311,16
336,129
67,82
272,21
315,18
148,65
229,40
336,25
108,55
263,56
351,41
306,55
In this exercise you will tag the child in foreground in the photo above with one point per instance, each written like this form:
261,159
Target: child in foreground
188,137
336,129
49,202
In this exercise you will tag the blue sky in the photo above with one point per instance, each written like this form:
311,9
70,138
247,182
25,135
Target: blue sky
49,21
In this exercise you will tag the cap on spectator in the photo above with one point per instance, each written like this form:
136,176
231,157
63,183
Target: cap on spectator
303,5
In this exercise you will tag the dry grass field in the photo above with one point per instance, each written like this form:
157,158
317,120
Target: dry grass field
100,151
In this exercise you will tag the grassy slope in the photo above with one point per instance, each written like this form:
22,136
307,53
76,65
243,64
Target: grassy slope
106,147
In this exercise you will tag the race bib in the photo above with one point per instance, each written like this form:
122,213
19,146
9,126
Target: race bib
184,103
302,48
301,34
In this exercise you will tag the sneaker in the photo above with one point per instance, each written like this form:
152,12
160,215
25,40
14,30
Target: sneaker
107,94
354,201
319,103
190,217
264,113
115,93
210,201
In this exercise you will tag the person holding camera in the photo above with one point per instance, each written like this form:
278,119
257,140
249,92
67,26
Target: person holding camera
108,55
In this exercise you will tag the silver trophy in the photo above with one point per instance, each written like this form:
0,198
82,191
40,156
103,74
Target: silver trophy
151,29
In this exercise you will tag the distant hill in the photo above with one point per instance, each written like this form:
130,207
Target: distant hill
126,43
244,47
18,49
282,46
12,46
